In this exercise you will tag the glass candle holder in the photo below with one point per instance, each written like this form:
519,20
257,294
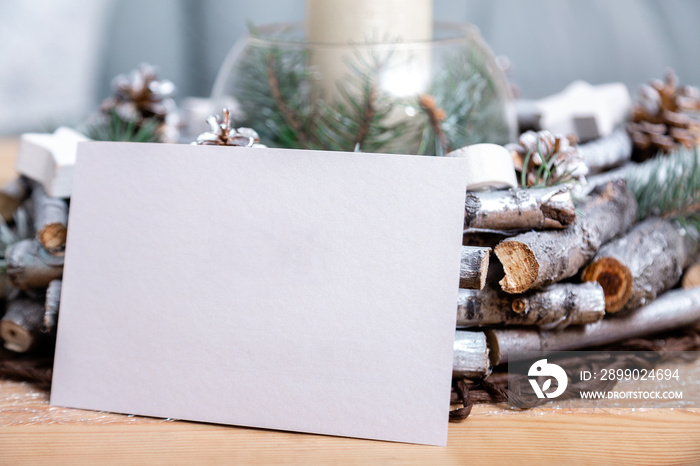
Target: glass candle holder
421,98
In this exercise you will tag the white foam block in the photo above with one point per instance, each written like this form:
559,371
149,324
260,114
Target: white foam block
49,159
296,290
588,111
488,166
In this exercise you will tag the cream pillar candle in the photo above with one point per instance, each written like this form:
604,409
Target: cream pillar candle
340,27
360,21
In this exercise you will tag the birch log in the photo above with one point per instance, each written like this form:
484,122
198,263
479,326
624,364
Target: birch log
474,267
536,259
30,267
674,309
608,151
558,305
635,268
471,355
50,220
519,209
20,328
53,300
12,195
593,181
691,277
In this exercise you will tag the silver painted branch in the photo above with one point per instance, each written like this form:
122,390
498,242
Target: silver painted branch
674,309
471,355
20,328
474,267
519,209
635,268
536,259
50,220
30,267
53,300
558,305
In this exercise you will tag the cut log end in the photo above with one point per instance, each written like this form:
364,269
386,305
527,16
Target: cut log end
53,237
15,337
615,278
519,264
471,355
559,210
691,278
519,305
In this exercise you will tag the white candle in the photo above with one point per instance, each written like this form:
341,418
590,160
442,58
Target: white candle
361,21
344,25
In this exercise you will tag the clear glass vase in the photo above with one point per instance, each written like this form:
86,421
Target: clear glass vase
423,98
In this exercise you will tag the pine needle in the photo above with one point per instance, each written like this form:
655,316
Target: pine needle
467,92
277,92
669,186
363,113
115,128
552,169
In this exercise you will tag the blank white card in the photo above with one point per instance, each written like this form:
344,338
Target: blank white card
284,289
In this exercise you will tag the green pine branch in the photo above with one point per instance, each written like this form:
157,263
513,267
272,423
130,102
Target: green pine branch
277,100
363,116
115,128
277,96
669,187
272,88
469,95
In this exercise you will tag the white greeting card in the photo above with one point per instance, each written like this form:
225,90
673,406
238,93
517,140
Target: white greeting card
296,290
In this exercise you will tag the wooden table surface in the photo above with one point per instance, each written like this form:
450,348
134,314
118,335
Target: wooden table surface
32,432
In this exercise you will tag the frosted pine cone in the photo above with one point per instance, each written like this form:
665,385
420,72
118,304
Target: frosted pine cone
665,117
223,134
547,159
141,96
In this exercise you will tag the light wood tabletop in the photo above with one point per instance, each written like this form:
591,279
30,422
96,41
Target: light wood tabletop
32,432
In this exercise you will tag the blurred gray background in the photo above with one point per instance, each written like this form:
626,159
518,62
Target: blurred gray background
57,58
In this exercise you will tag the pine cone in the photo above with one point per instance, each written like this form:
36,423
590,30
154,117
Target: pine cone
223,134
551,158
141,96
665,117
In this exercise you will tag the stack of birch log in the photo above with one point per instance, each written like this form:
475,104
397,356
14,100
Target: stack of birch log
571,267
33,265
569,272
